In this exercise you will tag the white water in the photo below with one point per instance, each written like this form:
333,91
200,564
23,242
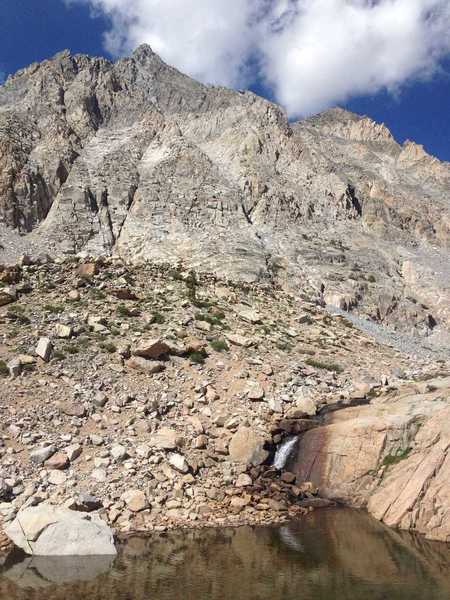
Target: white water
283,452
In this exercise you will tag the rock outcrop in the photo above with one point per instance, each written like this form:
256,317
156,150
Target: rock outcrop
136,159
392,456
47,530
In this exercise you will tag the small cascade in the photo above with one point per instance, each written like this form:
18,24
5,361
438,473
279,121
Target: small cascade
283,452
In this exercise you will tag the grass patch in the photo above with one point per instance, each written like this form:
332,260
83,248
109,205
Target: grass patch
53,308
219,345
197,357
97,294
71,349
84,342
17,316
213,318
325,365
107,347
398,456
4,371
157,318
123,311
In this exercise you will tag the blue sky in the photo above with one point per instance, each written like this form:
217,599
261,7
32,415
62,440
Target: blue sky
32,30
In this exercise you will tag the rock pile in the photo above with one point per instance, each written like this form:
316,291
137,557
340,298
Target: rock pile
189,443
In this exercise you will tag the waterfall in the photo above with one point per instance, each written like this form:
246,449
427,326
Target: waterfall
283,452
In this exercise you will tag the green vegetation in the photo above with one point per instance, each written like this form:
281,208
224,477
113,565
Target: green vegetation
327,366
157,318
71,349
18,316
53,308
97,294
123,311
219,345
214,318
107,347
4,371
197,357
399,455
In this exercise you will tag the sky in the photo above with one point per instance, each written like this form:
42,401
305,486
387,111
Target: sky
389,59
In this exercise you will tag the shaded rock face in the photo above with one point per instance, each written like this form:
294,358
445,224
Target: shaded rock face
391,456
137,159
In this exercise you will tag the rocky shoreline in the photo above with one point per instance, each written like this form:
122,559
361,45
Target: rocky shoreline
157,397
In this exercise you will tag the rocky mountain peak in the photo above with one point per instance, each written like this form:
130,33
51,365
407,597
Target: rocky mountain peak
137,159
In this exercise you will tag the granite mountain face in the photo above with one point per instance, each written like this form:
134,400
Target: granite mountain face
135,159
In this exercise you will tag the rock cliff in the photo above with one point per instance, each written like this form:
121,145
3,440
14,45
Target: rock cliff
136,159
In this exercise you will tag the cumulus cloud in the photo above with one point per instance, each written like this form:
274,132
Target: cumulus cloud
311,53
329,50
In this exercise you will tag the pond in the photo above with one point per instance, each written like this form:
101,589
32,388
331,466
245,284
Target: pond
335,554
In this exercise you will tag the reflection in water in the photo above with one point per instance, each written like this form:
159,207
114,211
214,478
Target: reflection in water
43,571
334,554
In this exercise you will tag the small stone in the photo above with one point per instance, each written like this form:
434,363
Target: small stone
96,440
136,500
58,461
99,475
255,392
243,480
14,367
44,349
149,367
166,439
178,462
73,451
63,331
87,270
73,409
249,315
200,442
239,340
151,348
288,477
119,452
57,477
40,455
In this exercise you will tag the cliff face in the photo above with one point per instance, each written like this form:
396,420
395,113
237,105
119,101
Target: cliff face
137,159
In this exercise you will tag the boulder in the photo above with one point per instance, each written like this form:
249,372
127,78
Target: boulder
47,530
151,348
239,340
44,349
63,331
87,270
178,462
136,500
149,367
39,455
392,456
166,439
247,447
7,295
249,315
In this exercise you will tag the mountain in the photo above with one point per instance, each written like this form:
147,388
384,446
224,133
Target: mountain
135,159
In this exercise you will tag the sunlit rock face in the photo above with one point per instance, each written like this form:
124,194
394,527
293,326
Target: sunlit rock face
134,158
391,456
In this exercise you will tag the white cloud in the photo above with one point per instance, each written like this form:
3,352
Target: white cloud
212,40
312,53
330,50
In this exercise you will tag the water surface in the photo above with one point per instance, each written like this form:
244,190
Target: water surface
329,555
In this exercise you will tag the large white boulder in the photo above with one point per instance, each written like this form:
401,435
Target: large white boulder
47,530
